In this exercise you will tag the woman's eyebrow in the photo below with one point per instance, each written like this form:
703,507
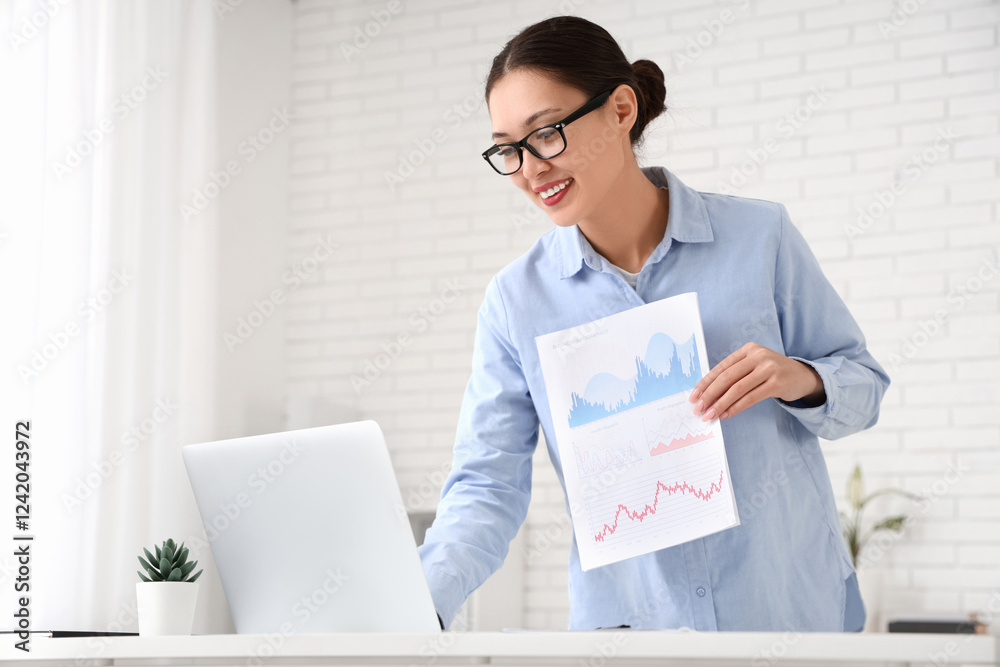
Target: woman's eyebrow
528,121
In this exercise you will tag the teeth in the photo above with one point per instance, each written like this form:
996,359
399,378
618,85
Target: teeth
554,189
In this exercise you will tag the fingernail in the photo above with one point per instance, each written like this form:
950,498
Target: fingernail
724,414
710,415
699,407
694,395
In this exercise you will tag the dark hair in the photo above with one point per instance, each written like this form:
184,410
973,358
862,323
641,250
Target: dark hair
584,55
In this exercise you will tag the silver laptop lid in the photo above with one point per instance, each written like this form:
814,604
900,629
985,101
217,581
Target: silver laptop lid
309,532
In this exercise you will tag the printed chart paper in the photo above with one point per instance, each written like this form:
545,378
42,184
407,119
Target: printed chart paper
642,471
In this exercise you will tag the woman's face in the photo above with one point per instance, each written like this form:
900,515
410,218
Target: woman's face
525,99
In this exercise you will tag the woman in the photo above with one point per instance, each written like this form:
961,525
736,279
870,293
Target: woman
788,361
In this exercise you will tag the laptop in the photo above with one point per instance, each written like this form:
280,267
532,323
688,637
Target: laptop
309,532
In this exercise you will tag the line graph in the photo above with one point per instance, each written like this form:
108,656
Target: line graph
594,460
679,431
649,504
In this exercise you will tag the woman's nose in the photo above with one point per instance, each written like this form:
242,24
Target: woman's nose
532,165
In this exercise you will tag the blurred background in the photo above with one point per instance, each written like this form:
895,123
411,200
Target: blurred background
220,218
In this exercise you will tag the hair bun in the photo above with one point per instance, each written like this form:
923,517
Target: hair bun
654,89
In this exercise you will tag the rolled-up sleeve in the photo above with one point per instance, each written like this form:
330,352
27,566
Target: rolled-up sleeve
818,329
485,497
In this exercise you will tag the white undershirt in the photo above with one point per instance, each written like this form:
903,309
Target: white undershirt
630,278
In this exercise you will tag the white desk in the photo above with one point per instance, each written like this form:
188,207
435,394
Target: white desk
576,649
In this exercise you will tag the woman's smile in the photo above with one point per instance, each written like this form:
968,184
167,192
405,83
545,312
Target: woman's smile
552,193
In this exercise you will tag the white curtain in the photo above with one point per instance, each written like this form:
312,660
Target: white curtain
108,296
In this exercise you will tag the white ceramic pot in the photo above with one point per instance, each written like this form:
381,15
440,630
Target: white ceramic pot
166,607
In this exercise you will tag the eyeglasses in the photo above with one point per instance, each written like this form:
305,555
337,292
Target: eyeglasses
545,142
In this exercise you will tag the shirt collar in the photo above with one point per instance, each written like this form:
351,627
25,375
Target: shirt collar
687,221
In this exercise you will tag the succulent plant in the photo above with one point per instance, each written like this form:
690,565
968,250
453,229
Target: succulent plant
169,564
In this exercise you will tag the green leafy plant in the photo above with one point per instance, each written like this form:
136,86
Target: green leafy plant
169,564
855,537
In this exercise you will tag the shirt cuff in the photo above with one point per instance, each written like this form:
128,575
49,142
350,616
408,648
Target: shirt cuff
815,414
446,594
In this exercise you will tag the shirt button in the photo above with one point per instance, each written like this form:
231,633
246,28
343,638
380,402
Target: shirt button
700,591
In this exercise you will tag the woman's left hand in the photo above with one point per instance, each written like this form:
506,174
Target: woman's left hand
748,376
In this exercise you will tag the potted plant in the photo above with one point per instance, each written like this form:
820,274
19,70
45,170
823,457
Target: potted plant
857,539
167,594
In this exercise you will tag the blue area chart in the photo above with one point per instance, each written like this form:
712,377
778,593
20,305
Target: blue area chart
666,369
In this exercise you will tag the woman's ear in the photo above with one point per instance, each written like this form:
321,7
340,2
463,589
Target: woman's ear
625,107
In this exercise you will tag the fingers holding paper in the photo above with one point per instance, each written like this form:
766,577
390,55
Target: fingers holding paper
750,375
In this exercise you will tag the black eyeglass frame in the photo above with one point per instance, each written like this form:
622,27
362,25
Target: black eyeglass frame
593,104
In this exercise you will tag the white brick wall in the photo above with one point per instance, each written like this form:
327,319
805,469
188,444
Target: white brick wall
419,81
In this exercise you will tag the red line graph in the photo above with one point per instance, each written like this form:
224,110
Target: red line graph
677,443
683,487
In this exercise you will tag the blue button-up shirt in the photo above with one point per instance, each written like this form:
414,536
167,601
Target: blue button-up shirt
786,566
